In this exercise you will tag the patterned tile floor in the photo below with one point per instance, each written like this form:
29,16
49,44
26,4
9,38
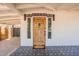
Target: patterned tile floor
48,51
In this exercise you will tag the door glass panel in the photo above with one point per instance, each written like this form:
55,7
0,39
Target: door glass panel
49,28
29,28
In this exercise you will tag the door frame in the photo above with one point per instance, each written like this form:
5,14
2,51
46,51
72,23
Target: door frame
32,29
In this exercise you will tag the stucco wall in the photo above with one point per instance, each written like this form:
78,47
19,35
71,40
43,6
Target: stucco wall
65,30
24,40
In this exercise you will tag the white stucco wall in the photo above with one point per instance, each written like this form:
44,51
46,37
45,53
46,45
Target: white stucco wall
24,40
65,30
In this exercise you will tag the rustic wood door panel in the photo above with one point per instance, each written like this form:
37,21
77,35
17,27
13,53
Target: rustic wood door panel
39,32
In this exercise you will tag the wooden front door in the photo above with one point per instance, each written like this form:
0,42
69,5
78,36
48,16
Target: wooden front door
39,32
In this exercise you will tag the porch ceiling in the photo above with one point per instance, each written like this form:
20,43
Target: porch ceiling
12,11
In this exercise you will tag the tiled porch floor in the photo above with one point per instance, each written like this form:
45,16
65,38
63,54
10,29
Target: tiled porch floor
49,51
